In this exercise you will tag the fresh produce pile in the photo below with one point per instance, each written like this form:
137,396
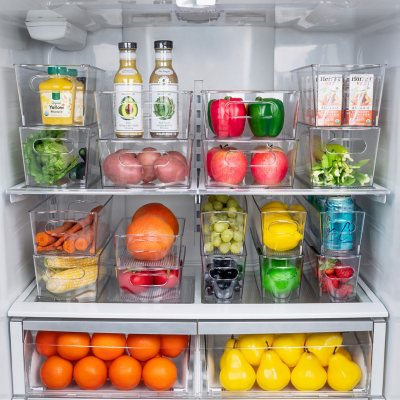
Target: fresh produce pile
223,225
334,166
228,165
49,161
90,360
70,236
307,361
227,116
125,167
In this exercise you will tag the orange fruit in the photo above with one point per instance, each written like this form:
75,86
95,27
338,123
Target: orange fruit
90,373
159,374
108,346
125,373
73,345
46,343
159,210
173,345
56,373
152,238
143,347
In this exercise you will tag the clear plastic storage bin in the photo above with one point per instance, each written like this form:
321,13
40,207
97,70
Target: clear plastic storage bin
151,118
276,365
260,114
249,163
223,231
71,225
60,156
145,163
158,283
76,279
337,157
340,95
29,78
223,277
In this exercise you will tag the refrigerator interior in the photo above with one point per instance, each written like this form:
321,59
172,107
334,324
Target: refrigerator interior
234,45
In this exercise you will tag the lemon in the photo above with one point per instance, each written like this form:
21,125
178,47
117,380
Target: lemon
280,235
274,206
296,207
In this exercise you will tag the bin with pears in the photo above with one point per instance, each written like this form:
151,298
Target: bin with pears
279,242
306,362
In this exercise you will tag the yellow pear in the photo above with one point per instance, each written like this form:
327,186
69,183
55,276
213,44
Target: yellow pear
323,345
237,374
290,347
272,373
343,374
308,374
252,347
344,352
230,344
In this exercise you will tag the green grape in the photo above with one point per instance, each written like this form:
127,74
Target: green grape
232,202
224,248
232,222
208,247
217,205
220,226
206,229
236,247
222,217
239,218
215,235
238,236
214,218
211,198
223,198
227,235
217,241
232,212
225,209
208,207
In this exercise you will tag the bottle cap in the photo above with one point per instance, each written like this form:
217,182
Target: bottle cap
163,45
55,70
127,45
72,72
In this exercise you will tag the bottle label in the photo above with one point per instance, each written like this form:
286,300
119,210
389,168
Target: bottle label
163,71
128,111
329,100
164,112
56,104
127,71
78,111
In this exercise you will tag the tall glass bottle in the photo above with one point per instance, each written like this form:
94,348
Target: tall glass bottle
128,112
164,93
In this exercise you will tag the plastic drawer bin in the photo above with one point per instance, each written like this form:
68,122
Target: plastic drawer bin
106,118
224,231
340,95
60,156
29,78
248,114
71,225
75,279
337,157
145,163
292,354
223,277
249,163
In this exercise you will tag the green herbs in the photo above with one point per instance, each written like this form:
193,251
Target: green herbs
164,107
335,167
47,157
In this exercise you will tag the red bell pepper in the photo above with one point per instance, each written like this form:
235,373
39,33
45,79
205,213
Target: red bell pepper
227,117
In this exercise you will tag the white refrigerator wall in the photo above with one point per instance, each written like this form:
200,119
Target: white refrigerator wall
15,238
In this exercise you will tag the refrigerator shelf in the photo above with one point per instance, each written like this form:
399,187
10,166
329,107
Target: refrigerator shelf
376,192
309,309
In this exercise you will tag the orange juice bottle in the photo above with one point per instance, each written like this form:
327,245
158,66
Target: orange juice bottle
57,97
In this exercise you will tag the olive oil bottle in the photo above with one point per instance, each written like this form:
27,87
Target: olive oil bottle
128,112
164,93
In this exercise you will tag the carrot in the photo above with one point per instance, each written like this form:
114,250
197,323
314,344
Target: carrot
61,229
69,245
85,238
43,239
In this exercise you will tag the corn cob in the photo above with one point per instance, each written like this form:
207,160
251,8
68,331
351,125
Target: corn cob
69,262
70,279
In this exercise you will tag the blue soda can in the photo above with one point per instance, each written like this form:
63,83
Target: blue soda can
338,227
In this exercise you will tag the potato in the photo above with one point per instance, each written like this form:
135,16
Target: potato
170,169
147,158
181,157
123,168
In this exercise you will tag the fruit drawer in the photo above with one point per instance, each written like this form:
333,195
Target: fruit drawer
263,365
107,364
260,114
145,163
71,225
249,163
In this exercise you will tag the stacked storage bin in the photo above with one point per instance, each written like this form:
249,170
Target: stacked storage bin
339,138
151,161
58,140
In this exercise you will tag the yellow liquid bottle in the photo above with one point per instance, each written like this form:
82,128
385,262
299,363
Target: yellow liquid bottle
57,97
128,112
164,93
79,96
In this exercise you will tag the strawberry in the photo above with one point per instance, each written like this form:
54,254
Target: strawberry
344,272
344,291
330,271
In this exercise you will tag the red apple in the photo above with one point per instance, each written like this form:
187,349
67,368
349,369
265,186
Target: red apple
228,165
269,165
167,278
135,282
210,155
